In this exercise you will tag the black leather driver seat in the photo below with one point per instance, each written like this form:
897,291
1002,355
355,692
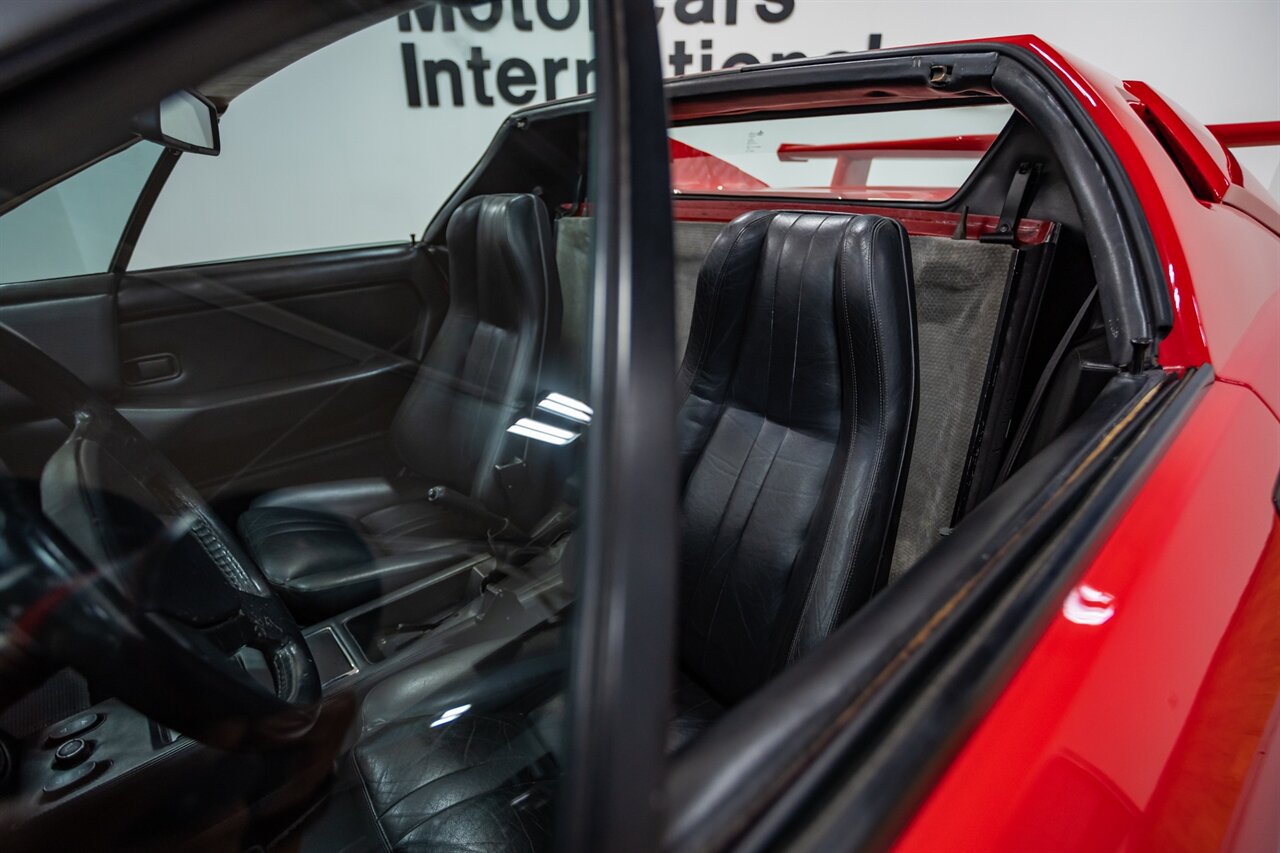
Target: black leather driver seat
799,391
329,547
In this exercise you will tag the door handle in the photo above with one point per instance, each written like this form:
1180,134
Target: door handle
152,368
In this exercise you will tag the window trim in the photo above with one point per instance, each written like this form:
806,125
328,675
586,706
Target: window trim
142,205
623,661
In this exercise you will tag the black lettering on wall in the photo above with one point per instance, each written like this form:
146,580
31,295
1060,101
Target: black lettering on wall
518,16
426,16
483,23
740,59
552,22
431,69
516,80
773,16
679,58
550,69
516,72
409,59
695,11
478,65
586,68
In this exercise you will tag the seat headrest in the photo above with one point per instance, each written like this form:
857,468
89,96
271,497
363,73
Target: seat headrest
502,261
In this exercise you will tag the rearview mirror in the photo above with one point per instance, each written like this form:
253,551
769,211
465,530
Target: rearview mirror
184,121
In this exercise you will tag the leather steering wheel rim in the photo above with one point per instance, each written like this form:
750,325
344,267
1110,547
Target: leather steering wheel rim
161,626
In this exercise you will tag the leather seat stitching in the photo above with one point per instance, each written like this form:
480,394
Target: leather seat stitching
746,524
716,284
853,441
509,787
880,433
368,798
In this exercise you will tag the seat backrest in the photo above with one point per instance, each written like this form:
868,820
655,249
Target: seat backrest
799,388
486,362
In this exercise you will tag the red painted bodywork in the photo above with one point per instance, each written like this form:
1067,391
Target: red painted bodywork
934,146
1139,733
1247,134
1146,715
694,170
850,177
1150,730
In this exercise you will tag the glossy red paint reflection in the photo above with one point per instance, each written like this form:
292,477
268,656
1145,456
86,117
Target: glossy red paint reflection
1139,732
1148,730
1142,717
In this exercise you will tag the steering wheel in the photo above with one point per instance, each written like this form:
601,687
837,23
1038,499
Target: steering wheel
119,569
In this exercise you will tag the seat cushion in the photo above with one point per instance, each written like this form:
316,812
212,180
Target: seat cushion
328,548
483,781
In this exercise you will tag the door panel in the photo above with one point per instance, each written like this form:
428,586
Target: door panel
278,363
254,374
74,320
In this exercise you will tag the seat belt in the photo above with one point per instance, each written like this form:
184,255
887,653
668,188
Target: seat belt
1042,385
1021,188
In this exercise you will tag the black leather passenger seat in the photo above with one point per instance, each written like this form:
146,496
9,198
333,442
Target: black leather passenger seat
331,546
799,388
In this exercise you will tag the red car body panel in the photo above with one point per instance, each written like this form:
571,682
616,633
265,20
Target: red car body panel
1140,732
1142,717
694,170
1247,134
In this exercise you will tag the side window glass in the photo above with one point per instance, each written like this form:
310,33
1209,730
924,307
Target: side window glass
362,141
73,227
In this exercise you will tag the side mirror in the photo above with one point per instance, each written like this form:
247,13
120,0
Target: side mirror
184,121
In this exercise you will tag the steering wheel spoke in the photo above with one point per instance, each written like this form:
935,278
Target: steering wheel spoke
130,577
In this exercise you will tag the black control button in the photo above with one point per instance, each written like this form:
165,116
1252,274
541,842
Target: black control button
74,727
71,752
70,779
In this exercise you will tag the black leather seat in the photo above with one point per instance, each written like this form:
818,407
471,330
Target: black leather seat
799,387
799,393
329,547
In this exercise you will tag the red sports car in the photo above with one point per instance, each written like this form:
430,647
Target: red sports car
859,452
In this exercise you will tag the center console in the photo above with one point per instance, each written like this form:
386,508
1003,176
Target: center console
110,766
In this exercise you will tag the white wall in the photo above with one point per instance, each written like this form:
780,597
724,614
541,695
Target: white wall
330,152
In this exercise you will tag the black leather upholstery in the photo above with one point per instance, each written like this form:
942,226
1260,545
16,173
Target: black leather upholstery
799,407
485,364
799,389
330,547
694,712
484,781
